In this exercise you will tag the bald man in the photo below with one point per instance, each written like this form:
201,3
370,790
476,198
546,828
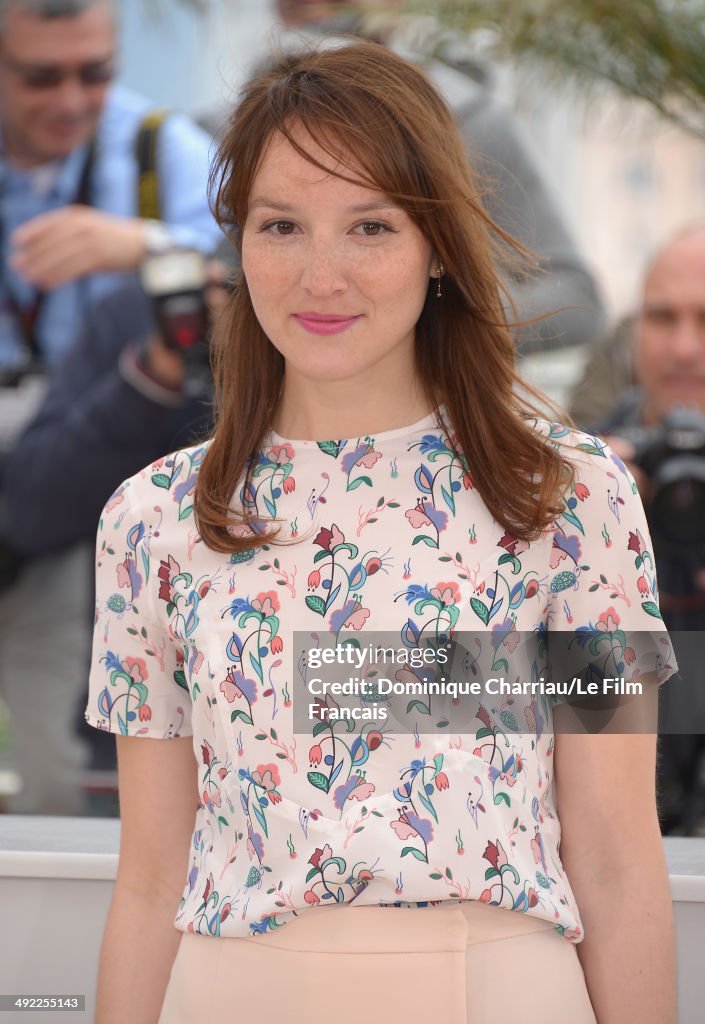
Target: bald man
668,358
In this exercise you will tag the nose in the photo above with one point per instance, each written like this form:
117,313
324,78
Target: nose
687,340
71,98
324,272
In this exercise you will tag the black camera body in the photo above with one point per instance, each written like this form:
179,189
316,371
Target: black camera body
672,455
176,281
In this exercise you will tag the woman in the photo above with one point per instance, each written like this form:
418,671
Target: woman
373,468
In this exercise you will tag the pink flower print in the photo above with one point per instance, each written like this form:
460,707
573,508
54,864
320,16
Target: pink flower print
267,775
225,911
417,516
363,455
311,897
167,571
315,754
207,753
496,855
636,543
565,547
145,713
363,791
403,829
255,846
409,825
211,799
266,603
320,855
511,641
372,566
536,849
484,716
629,655
532,589
512,544
289,485
136,668
468,482
328,539
441,781
318,704
485,896
608,621
446,593
354,789
533,897
208,889
581,492
314,579
358,618
235,685
123,573
643,587
116,499
240,530
374,739
276,645
280,454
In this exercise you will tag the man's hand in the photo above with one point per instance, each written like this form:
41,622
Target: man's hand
57,247
625,450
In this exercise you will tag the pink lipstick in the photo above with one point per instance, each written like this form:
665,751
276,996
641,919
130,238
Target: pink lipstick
324,323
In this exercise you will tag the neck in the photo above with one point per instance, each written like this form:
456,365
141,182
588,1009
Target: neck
346,410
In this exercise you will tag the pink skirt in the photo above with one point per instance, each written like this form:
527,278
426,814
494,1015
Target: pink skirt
462,963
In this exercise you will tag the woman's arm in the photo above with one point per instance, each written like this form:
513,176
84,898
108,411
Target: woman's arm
613,854
158,799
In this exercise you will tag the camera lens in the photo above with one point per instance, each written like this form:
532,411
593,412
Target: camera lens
678,504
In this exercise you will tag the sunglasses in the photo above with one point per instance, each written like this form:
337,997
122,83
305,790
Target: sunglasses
50,76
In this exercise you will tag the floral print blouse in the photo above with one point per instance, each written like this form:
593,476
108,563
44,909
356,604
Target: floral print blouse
389,535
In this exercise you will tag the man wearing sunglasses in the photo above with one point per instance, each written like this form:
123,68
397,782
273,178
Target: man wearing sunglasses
69,175
70,236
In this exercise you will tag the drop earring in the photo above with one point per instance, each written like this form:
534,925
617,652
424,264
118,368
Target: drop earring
441,271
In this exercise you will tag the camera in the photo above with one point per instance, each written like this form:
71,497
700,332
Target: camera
176,281
673,457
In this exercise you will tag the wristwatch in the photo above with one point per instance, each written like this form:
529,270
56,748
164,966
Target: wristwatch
158,237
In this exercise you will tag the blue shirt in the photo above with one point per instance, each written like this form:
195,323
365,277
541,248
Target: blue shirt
182,164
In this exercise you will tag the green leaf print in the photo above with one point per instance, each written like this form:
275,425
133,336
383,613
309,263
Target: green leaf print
481,610
161,480
319,780
316,604
356,483
239,713
651,608
332,448
414,852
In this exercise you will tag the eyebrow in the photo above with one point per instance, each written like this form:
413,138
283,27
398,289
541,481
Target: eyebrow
272,204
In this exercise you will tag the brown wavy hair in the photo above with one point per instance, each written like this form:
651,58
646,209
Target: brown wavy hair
362,99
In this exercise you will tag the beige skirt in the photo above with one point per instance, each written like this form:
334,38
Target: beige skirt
463,963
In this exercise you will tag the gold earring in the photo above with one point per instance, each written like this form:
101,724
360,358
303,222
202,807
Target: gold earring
441,271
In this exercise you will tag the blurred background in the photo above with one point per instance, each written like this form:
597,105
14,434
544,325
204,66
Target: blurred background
608,100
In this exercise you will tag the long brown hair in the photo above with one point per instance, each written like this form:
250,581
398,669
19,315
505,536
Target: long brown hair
362,99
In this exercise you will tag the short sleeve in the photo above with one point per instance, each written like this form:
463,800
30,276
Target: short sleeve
602,573
137,684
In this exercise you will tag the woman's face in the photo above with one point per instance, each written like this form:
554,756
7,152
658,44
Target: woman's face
337,273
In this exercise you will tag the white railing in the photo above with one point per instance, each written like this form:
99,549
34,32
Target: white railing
56,879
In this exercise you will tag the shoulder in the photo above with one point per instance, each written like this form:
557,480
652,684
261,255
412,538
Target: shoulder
600,478
125,111
159,497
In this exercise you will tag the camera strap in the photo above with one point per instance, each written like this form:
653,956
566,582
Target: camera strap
27,316
149,199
